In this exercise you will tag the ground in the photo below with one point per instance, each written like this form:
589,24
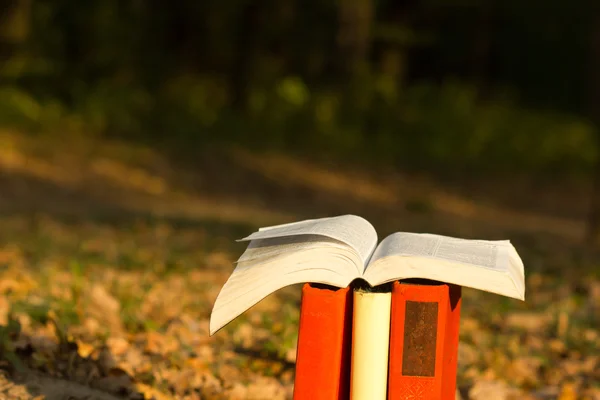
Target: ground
112,253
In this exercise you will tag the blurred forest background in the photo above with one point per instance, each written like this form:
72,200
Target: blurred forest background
459,86
139,138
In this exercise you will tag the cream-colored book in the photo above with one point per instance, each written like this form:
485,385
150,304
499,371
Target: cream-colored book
370,345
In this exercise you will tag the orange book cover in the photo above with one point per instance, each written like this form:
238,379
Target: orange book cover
324,344
425,321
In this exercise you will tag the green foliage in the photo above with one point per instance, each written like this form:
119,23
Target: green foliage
428,127
8,334
110,108
18,107
452,128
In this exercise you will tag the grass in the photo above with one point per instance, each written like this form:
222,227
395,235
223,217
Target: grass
109,285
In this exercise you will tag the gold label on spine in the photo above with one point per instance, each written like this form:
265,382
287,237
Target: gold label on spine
420,335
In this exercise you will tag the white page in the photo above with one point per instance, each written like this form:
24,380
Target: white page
492,266
350,229
273,247
253,280
288,225
490,254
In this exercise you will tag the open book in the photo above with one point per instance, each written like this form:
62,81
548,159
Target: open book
337,250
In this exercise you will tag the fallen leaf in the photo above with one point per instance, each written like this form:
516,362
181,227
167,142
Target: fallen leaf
157,343
568,392
266,388
524,371
105,308
493,390
149,392
530,322
84,349
117,345
4,309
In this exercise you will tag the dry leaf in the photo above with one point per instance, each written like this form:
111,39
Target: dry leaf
568,392
157,343
290,355
229,374
530,322
524,371
493,390
4,309
117,345
467,355
266,388
147,391
105,308
84,349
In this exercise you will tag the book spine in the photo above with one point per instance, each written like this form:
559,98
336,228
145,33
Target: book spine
451,343
324,344
424,341
370,345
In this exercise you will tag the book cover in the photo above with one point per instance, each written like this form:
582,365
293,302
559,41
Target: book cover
370,345
425,322
324,344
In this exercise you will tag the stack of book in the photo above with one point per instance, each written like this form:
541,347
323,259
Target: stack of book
377,321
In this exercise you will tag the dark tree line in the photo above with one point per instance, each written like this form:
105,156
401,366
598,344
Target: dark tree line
117,62
538,47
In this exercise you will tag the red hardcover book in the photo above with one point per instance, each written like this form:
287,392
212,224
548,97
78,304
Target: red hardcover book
424,341
324,344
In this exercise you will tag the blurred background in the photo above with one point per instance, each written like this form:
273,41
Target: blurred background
138,139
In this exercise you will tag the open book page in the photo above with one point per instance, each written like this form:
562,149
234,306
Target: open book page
350,229
264,249
484,253
271,264
482,264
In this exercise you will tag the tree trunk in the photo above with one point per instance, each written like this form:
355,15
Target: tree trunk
354,35
593,228
241,69
480,53
14,25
